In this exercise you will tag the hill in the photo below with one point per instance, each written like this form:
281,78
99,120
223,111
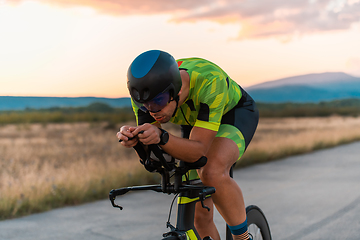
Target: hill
307,88
310,88
22,103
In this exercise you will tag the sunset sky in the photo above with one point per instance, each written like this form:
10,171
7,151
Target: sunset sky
84,47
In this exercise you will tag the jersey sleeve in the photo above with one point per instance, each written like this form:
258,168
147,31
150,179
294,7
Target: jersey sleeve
212,99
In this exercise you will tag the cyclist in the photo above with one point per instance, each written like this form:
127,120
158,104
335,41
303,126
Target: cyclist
218,120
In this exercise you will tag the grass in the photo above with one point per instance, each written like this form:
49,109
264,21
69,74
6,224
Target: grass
44,166
282,137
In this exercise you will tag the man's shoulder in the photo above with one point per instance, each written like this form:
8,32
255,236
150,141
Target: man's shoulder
191,59
194,62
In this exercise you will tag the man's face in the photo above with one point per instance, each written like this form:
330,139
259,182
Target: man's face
165,114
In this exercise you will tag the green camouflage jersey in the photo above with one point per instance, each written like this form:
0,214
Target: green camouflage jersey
212,93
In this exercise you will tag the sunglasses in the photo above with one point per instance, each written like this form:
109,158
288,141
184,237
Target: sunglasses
156,104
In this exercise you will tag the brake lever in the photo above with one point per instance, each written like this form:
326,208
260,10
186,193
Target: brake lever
115,192
202,198
112,200
205,192
115,205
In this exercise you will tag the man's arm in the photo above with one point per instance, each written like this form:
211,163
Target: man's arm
189,150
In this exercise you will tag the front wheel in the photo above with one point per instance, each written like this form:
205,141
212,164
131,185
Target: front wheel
258,226
170,238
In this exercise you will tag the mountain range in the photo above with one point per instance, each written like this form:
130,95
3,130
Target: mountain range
300,89
307,88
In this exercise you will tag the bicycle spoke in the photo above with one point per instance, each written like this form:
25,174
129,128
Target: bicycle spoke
254,232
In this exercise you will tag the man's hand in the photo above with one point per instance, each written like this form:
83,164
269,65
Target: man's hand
125,133
150,135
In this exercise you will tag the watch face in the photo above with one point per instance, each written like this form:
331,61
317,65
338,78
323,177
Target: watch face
164,137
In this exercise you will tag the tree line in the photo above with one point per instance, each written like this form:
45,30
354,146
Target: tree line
95,112
343,107
101,112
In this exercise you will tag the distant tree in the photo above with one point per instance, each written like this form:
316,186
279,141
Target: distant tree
99,107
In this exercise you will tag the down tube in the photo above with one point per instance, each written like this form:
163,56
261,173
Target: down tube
186,213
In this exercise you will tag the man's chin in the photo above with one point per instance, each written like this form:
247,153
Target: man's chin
162,120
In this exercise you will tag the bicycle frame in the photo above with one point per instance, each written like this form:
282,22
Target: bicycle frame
189,194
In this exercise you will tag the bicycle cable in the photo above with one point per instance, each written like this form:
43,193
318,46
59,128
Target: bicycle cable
171,206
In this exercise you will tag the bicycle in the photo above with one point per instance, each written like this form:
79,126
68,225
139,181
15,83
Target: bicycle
188,194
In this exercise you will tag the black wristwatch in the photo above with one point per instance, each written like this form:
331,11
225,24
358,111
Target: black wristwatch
164,137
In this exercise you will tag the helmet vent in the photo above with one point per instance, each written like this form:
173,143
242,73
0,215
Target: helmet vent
136,94
146,94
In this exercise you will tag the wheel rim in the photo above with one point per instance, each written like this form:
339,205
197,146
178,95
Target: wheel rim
254,232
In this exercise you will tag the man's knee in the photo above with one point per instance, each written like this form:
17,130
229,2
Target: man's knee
210,176
221,156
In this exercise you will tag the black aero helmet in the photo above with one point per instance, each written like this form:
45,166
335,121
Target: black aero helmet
152,73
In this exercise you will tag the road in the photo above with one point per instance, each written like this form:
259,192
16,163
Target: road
310,196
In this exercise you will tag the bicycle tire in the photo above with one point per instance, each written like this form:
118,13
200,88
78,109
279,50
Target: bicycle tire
258,226
170,238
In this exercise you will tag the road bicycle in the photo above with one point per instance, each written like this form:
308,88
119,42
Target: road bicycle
188,193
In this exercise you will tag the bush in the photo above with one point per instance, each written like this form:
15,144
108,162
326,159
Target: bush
95,112
346,107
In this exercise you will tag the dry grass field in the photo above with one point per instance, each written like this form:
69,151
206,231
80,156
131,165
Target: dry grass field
47,166
281,137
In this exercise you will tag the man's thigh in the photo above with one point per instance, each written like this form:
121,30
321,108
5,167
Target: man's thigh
227,147
227,131
222,155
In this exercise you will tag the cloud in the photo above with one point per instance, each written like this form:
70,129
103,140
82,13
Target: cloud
261,19
258,18
127,7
